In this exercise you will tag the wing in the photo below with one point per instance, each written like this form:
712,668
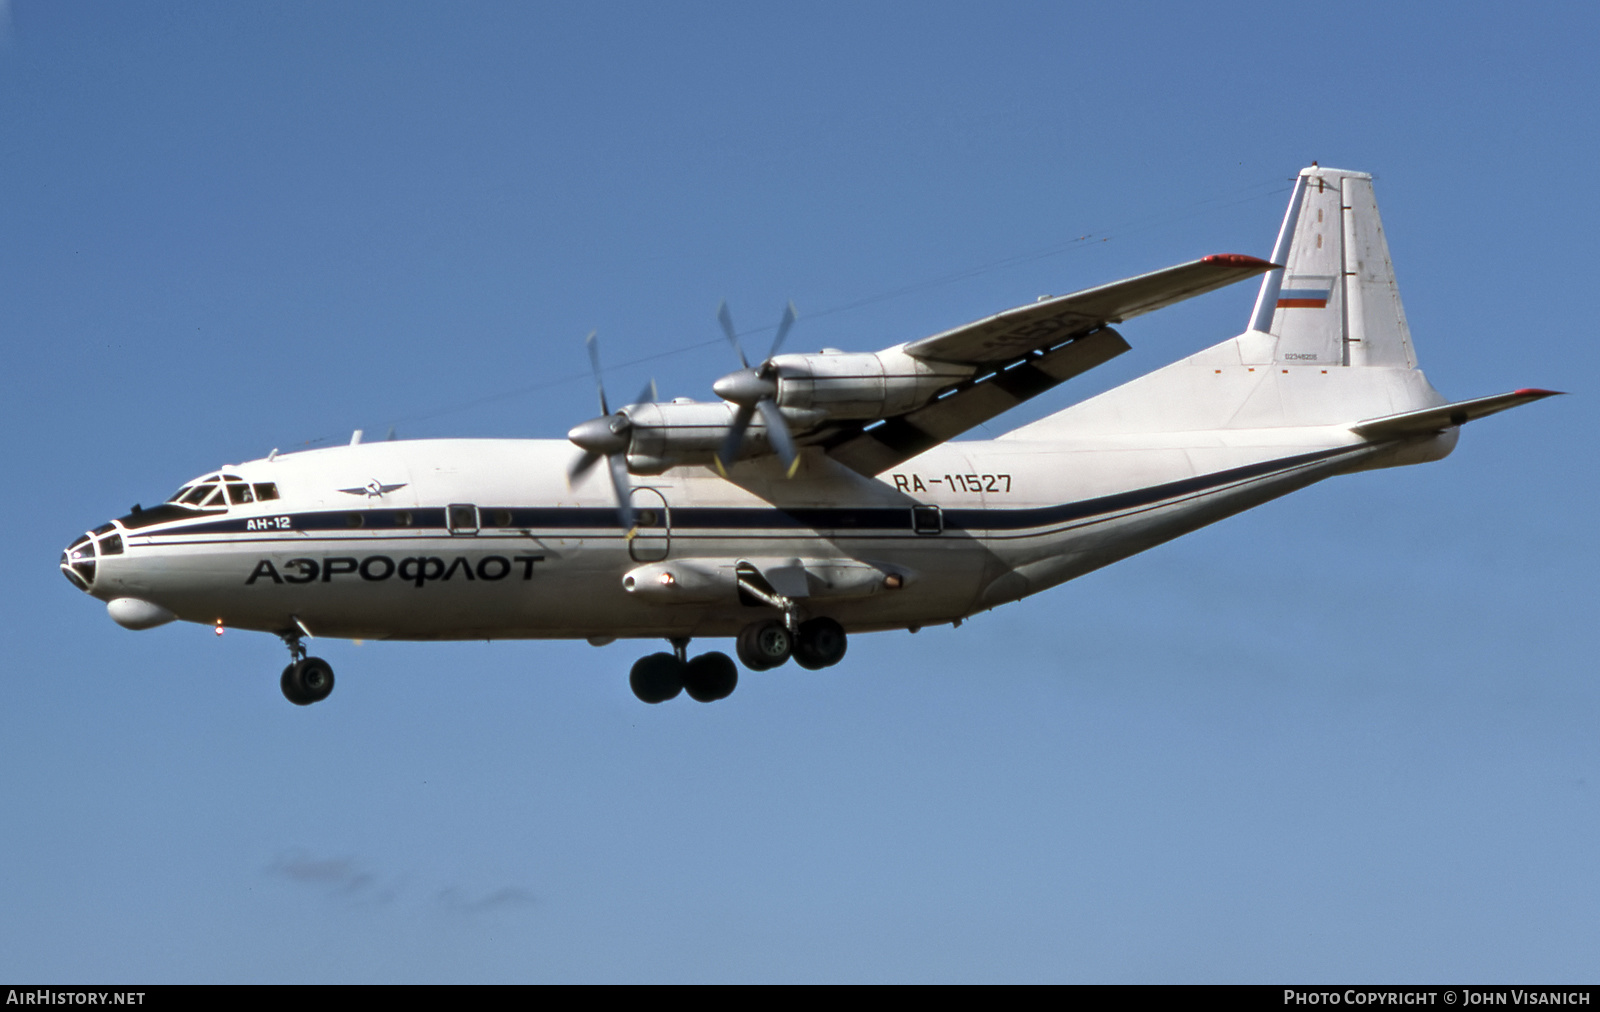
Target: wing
1015,332
1023,352
884,444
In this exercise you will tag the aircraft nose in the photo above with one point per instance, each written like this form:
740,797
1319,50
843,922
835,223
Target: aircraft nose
79,561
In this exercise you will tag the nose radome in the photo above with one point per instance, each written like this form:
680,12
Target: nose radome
78,563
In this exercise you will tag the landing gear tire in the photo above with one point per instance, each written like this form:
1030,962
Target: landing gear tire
710,677
765,645
307,681
820,643
657,678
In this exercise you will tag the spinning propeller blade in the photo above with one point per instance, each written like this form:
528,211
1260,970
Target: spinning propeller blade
789,316
755,389
726,319
592,342
608,438
778,432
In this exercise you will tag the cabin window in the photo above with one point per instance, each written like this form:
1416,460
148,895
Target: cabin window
463,518
927,520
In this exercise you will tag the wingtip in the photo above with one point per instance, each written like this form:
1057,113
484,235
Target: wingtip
1243,260
1537,392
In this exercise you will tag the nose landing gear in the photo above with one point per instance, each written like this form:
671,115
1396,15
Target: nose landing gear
306,680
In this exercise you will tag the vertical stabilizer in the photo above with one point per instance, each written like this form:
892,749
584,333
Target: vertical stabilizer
1335,302
1327,345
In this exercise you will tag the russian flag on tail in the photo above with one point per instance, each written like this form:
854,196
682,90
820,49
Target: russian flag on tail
1304,292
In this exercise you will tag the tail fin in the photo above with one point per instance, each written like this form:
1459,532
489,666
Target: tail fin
1335,302
1327,342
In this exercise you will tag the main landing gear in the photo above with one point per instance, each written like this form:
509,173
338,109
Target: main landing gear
814,644
707,678
306,680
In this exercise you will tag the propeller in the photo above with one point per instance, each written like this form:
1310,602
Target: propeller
755,389
607,438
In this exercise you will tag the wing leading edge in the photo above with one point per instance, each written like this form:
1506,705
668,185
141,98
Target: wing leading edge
1023,352
1006,336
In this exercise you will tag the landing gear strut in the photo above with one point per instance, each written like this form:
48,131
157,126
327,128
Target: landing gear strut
660,677
765,644
306,680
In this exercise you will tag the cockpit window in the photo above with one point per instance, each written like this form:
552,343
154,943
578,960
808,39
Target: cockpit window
218,491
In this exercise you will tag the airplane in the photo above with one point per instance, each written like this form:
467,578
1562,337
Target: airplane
821,496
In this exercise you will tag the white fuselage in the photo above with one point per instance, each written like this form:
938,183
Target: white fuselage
959,529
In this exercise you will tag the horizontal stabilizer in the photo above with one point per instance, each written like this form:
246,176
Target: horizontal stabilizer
1015,332
1420,423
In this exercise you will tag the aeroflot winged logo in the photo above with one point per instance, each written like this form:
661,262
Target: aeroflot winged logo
372,489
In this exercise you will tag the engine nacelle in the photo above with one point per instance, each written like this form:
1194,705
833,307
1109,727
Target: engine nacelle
849,385
663,435
812,390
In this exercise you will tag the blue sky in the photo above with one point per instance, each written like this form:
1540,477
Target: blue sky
1346,736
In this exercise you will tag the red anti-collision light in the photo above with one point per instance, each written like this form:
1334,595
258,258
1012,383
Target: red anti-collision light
1238,260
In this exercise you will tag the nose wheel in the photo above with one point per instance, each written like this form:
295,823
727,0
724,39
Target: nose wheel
306,680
